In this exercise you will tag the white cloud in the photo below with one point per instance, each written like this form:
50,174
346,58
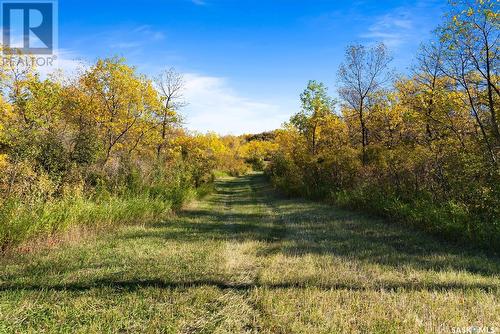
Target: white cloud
215,106
405,25
65,61
393,29
69,61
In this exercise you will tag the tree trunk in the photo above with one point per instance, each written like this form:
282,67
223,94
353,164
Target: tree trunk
491,102
364,140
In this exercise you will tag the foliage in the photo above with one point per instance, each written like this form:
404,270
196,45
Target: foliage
108,139
257,153
424,151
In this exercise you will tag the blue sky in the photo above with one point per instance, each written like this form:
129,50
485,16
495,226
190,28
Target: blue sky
245,62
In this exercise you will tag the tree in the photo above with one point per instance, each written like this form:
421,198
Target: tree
6,116
120,102
317,107
256,152
201,154
427,74
471,37
15,76
171,86
363,72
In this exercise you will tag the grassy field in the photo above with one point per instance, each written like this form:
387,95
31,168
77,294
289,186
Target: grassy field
247,260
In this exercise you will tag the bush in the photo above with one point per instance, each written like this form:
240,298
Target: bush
451,220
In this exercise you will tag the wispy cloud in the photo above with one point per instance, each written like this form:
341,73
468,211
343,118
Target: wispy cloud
214,104
132,38
148,32
119,39
66,61
404,25
394,28
125,45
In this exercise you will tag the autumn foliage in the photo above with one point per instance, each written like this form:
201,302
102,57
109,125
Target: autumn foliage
422,149
107,144
108,141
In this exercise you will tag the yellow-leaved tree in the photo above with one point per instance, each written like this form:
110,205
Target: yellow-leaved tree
121,103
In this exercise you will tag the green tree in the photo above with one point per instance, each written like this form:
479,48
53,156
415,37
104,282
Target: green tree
317,108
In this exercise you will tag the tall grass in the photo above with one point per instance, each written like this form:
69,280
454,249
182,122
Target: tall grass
19,222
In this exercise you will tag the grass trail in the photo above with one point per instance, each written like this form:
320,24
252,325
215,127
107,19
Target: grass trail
247,260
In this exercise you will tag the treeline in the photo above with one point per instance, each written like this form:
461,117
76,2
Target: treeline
423,149
103,147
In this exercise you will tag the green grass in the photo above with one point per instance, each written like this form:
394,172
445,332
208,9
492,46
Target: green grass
20,223
246,260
